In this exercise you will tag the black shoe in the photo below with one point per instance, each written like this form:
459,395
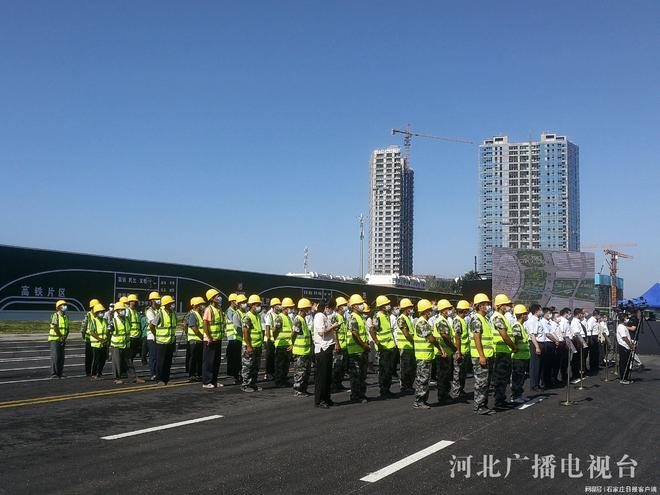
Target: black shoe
420,405
484,411
247,389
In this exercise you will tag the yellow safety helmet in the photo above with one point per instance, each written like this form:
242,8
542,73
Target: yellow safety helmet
382,301
232,297
166,300
463,304
132,298
120,305
287,302
424,305
93,303
241,298
59,303
154,295
519,309
444,304
275,301
254,299
304,303
197,300
355,299
341,301
98,307
502,299
366,308
123,299
211,293
481,298
405,303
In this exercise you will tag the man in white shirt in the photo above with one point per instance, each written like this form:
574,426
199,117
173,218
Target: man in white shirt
592,340
562,332
626,346
578,334
153,318
537,360
325,338
603,339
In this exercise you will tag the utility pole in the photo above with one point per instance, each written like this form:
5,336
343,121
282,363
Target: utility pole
361,245
306,260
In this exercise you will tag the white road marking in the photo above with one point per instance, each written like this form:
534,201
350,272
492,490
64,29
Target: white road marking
39,379
44,349
533,401
40,367
164,427
406,461
35,358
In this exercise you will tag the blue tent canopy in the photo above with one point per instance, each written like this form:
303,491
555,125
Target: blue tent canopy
651,298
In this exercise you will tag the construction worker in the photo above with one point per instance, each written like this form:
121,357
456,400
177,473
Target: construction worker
481,352
164,330
85,335
405,342
281,331
462,345
425,345
301,343
98,338
443,333
214,330
520,358
120,343
252,344
235,336
133,316
381,333
57,335
152,318
195,339
340,358
357,345
269,342
503,346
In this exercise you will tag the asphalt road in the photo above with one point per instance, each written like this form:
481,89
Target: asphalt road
271,442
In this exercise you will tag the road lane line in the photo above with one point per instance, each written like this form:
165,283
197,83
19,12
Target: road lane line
35,358
163,427
406,461
27,380
533,401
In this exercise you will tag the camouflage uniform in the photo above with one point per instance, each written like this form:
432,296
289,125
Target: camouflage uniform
481,373
423,367
460,368
444,365
408,362
501,367
250,362
339,361
302,364
357,366
282,356
519,367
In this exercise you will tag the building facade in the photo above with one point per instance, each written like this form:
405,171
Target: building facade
390,213
529,196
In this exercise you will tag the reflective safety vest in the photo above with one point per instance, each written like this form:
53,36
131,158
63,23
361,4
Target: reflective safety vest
384,334
216,325
424,350
166,328
120,333
498,341
256,333
486,338
521,341
100,327
302,346
62,326
134,322
341,331
438,336
192,337
465,336
402,341
284,336
352,346
237,332
89,317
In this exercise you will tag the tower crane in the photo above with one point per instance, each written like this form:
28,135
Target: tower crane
608,250
409,134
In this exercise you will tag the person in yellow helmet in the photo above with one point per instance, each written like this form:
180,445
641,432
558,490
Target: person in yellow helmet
462,354
381,333
195,334
152,315
59,332
120,343
234,336
481,352
281,328
214,330
443,332
269,342
405,342
252,344
165,326
520,358
357,345
340,358
84,328
425,346
135,330
503,345
301,343
98,338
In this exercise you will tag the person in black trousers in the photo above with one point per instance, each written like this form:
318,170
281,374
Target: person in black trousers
325,339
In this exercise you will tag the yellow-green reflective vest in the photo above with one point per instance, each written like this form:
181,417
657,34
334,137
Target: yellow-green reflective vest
438,336
120,332
402,341
256,333
192,336
166,329
521,341
284,336
216,325
465,336
134,323
303,343
100,327
384,333
486,338
341,331
498,341
238,332
62,326
424,350
90,317
352,346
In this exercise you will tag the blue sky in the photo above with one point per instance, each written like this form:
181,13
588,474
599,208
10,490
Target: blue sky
234,134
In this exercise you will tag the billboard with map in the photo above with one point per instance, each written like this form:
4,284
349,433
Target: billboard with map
549,278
